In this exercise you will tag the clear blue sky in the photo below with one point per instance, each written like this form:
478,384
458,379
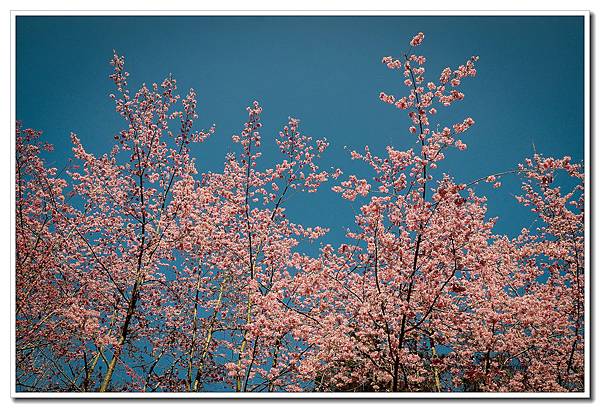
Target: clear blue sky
326,71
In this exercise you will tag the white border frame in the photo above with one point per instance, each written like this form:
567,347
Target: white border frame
586,394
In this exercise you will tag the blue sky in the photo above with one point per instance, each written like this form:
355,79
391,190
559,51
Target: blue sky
327,72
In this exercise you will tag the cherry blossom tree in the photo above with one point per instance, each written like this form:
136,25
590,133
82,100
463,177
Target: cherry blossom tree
240,263
136,272
424,297
49,318
122,235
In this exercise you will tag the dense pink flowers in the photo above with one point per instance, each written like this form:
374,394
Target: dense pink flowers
136,272
417,39
461,127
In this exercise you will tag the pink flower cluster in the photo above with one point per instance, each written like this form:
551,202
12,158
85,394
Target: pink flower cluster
135,272
417,39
